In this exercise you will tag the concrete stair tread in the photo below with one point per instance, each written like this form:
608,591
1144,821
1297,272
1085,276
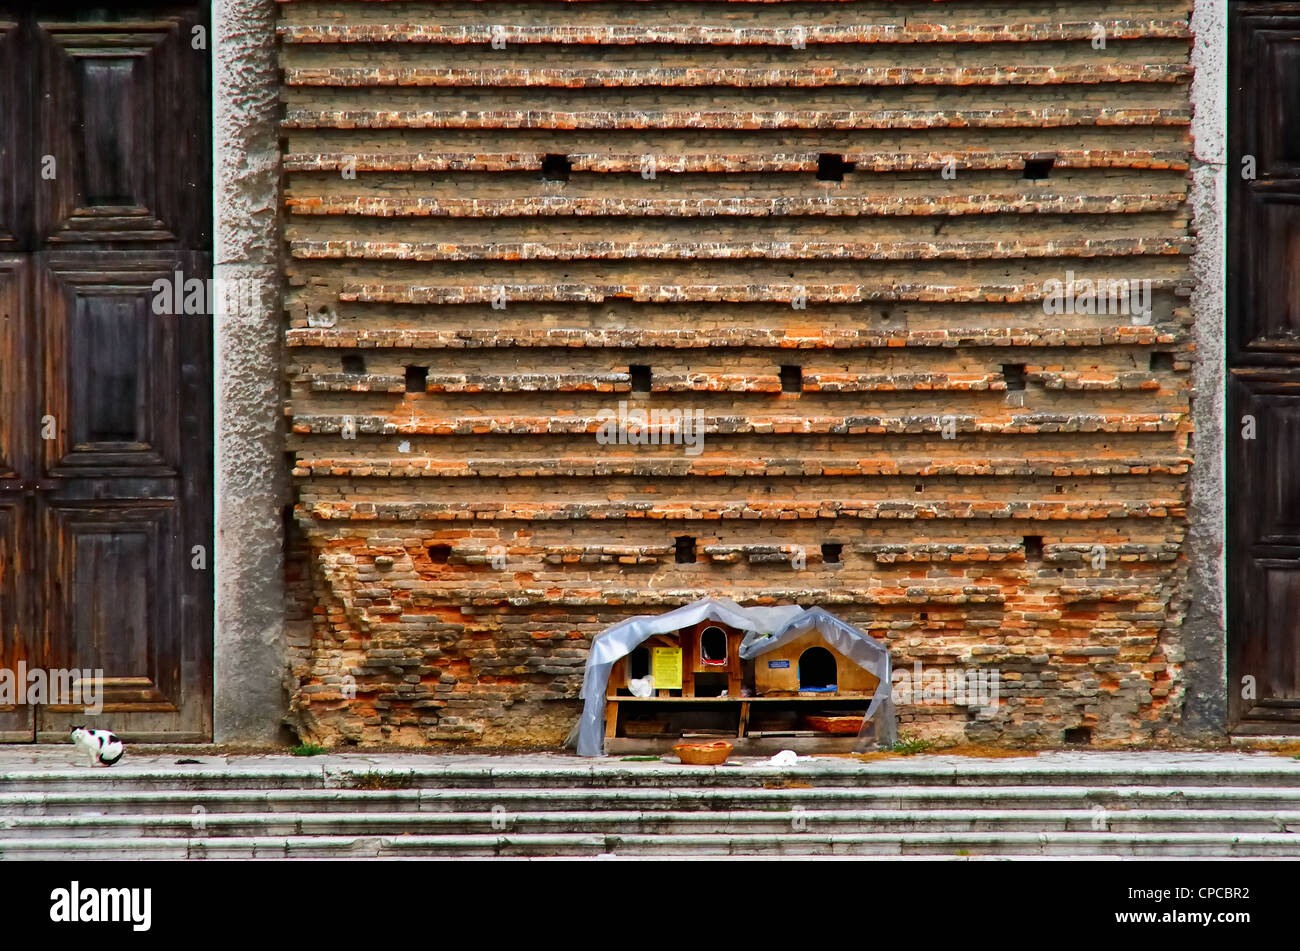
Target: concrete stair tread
665,815
350,846
796,790
1288,777
53,766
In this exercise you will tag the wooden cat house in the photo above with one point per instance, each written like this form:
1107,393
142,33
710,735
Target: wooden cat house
809,665
767,678
702,660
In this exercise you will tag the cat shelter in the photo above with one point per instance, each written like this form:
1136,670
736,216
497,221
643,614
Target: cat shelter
765,678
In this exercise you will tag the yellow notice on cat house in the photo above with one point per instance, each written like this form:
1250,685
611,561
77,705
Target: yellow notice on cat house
666,667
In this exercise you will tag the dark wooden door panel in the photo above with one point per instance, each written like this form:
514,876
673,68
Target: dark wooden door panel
1271,47
1278,600
1264,546
15,366
16,186
119,570
112,363
1269,305
16,719
112,571
127,486
16,627
1266,484
120,119
1263,331
1269,602
105,396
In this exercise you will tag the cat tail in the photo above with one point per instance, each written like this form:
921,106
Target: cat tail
109,762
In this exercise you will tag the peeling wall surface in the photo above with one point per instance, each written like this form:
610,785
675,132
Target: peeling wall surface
913,281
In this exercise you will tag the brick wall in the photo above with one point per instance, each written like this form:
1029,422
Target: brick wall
827,230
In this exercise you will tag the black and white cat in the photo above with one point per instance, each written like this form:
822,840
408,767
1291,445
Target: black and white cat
100,745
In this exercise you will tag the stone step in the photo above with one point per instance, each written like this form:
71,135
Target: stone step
90,798
933,844
1258,771
788,822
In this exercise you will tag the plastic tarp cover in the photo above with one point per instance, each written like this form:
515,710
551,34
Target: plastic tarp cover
855,644
766,626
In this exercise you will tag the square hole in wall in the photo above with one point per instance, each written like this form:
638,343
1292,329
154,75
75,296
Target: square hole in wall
685,549
353,363
832,167
1078,736
417,379
1162,360
640,378
1033,547
791,379
1038,169
832,553
1014,374
439,554
556,168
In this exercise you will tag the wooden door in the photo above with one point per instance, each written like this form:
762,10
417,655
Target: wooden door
105,386
1263,453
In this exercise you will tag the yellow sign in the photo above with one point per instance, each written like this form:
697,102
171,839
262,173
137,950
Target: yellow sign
666,667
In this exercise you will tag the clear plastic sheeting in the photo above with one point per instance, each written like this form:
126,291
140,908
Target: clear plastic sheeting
855,644
767,627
